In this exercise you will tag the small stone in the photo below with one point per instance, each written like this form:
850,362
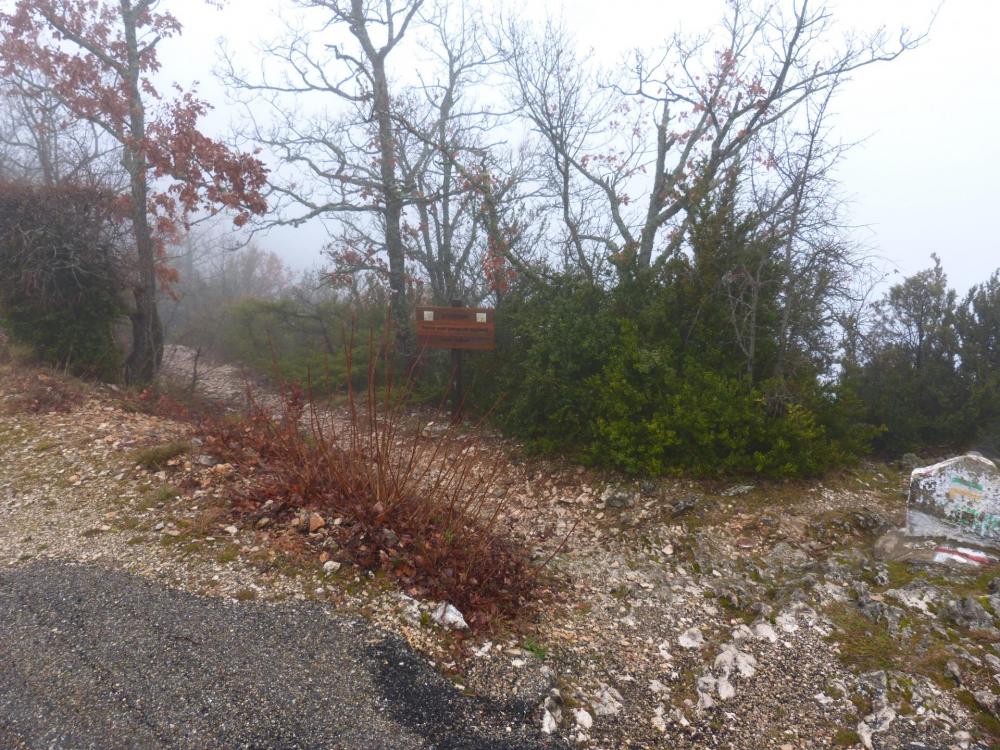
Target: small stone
691,638
615,496
764,632
607,701
316,522
549,724
583,719
725,688
331,566
786,621
262,522
448,616
231,530
657,721
986,700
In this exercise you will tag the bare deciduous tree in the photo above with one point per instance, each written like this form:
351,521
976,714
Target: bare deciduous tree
346,157
650,143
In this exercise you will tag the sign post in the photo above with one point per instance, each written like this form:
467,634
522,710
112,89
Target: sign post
457,328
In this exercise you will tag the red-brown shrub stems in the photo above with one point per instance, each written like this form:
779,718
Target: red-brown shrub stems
422,509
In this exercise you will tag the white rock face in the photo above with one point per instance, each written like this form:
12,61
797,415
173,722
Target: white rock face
876,722
765,632
731,659
706,686
608,701
691,638
549,723
447,616
583,719
725,688
786,621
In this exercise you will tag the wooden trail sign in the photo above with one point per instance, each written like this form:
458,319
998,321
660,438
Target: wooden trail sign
456,328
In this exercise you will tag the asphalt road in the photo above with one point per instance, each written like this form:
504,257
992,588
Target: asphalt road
95,659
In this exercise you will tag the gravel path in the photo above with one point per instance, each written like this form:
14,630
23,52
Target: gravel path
91,658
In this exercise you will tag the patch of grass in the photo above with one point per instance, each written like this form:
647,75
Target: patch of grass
865,645
163,494
132,541
156,457
207,521
245,595
620,592
986,721
127,524
46,444
845,738
901,573
228,554
90,533
534,648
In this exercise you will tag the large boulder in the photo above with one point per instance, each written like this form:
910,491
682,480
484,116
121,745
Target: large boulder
958,498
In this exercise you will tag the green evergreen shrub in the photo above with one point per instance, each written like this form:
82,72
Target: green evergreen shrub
606,378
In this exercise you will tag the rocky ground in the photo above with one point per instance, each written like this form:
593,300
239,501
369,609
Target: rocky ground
691,615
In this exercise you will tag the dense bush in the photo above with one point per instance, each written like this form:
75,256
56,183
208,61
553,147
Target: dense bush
613,379
61,276
929,372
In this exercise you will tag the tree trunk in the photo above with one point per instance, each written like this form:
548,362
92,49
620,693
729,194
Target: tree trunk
393,210
147,333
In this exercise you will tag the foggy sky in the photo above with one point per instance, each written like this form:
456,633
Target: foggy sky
922,180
